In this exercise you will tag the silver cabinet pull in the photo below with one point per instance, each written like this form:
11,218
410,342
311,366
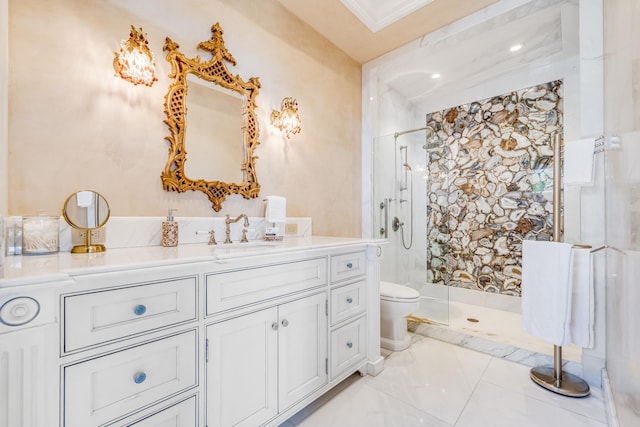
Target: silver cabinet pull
285,323
274,326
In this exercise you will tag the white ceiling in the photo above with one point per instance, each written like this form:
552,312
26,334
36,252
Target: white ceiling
377,14
473,49
397,21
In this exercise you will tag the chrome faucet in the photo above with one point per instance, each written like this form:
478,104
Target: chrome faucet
227,223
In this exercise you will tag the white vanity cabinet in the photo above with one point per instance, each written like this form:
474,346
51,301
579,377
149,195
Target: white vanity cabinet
130,340
261,363
187,337
283,334
348,312
28,363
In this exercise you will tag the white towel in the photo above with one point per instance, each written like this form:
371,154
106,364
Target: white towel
546,290
578,161
582,299
276,209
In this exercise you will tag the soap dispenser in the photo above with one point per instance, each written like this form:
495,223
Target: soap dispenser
170,230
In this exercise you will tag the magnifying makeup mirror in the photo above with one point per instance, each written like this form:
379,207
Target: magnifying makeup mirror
86,211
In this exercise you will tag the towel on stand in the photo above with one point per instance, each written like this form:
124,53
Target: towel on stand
546,290
557,292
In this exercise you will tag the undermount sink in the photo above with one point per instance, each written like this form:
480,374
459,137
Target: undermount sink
247,245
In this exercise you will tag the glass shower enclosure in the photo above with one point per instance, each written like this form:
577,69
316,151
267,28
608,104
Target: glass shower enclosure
405,179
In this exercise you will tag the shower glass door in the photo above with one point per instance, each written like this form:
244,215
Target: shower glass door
403,184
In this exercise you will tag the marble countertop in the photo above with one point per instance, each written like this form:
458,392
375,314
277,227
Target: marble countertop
25,269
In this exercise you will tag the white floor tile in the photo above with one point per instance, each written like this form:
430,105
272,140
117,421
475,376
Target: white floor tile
515,378
362,406
434,383
494,406
432,376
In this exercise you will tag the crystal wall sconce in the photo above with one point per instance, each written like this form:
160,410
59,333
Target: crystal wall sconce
287,119
134,61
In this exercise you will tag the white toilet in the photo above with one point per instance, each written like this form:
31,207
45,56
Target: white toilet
396,303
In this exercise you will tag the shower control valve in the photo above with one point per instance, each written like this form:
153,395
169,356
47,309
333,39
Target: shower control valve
396,223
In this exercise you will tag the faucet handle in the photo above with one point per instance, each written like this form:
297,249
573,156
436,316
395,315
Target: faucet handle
244,235
212,239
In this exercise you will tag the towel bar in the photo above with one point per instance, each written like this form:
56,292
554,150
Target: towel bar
551,377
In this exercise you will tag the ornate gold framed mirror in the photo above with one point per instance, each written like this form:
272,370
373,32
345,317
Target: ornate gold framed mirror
224,130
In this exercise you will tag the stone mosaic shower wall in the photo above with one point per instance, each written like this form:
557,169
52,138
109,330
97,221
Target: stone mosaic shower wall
490,186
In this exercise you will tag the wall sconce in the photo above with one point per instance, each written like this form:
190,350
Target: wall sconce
134,62
287,119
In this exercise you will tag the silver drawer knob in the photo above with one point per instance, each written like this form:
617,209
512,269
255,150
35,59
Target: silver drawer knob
349,300
285,323
350,344
274,326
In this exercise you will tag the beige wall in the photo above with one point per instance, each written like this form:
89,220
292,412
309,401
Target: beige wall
74,126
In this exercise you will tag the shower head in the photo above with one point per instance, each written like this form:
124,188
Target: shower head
433,141
432,145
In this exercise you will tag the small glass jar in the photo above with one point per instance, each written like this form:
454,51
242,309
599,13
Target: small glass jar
40,235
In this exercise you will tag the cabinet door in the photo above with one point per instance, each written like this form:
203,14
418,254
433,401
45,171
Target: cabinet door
302,358
242,382
28,377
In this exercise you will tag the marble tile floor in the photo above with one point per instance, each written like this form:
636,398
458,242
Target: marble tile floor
498,326
434,383
498,333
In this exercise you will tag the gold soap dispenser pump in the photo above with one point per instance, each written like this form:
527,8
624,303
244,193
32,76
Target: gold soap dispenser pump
170,230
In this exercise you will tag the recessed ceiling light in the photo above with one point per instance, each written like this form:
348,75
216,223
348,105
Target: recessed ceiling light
435,76
515,47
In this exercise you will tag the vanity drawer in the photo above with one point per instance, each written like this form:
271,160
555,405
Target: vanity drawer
114,385
181,414
99,317
347,301
347,266
348,346
229,290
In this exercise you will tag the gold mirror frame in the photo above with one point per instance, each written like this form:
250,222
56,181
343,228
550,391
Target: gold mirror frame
214,71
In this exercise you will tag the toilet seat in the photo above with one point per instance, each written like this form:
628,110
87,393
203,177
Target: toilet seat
399,293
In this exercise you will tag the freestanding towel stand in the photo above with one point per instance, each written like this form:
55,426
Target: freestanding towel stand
551,377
